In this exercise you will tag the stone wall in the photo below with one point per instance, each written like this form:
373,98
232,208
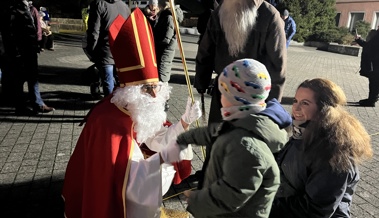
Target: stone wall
67,24
345,49
336,48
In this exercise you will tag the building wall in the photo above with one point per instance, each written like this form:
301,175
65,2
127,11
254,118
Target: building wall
369,7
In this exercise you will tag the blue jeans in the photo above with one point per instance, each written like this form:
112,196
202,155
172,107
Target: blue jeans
34,94
107,78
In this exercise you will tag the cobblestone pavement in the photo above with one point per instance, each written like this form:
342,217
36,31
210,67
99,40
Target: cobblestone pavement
34,151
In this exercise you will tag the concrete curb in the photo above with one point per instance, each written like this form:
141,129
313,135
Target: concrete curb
189,31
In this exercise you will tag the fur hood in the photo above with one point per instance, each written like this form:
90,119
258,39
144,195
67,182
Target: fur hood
258,2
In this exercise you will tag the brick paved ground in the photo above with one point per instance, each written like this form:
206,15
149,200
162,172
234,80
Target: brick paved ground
34,150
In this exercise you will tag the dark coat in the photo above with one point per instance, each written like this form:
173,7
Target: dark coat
266,44
23,32
241,177
101,15
310,189
370,54
165,41
370,66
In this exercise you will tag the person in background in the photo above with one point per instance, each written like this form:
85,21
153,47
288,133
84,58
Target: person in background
23,48
46,18
319,165
2,59
370,66
47,41
274,3
85,15
101,14
241,177
241,29
165,39
107,174
289,26
7,77
202,21
151,11
36,20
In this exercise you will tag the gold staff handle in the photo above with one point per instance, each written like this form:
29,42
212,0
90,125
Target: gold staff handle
178,37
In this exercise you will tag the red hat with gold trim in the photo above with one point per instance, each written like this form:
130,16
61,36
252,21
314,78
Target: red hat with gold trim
132,46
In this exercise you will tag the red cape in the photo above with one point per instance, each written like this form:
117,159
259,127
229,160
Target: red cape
97,173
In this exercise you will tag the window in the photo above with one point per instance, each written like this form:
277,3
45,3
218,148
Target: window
376,21
337,19
354,17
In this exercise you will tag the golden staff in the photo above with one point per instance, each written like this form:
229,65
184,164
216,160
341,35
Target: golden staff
178,37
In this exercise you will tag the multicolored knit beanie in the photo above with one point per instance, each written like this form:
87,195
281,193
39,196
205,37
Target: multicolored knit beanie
246,84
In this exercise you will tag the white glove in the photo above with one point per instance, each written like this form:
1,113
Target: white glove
171,153
193,112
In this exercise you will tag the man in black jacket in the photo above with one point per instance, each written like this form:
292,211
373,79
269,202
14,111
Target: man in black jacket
21,47
101,15
370,66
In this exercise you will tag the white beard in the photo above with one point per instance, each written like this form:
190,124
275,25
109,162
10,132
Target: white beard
146,112
237,18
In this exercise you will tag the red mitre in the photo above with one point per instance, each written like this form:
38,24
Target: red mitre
132,46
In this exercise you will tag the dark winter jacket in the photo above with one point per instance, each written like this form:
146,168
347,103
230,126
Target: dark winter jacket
242,176
165,41
266,44
312,190
101,15
370,54
23,38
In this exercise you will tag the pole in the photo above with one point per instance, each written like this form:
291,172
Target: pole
180,45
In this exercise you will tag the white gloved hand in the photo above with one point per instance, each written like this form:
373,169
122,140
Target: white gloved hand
171,153
193,112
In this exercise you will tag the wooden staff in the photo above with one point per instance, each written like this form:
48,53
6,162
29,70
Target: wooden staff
178,37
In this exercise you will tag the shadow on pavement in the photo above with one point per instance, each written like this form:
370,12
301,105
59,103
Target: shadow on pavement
39,198
180,79
181,70
67,39
60,100
61,75
188,60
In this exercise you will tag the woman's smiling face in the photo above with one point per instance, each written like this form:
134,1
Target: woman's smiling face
304,105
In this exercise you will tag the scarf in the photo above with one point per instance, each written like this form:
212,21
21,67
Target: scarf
298,128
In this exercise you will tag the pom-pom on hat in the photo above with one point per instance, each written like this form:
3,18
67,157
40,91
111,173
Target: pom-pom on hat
246,83
132,45
154,2
285,13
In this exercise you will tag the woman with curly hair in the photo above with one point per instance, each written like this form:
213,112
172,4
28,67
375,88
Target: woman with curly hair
319,165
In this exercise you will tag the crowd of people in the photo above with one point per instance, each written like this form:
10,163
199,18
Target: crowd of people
261,161
278,173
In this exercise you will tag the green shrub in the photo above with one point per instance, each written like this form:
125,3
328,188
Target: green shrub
362,28
347,39
340,35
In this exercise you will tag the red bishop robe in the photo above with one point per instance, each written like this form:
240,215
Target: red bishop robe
97,175
97,172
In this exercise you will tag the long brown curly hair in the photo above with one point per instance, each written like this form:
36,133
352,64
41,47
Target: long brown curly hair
335,135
